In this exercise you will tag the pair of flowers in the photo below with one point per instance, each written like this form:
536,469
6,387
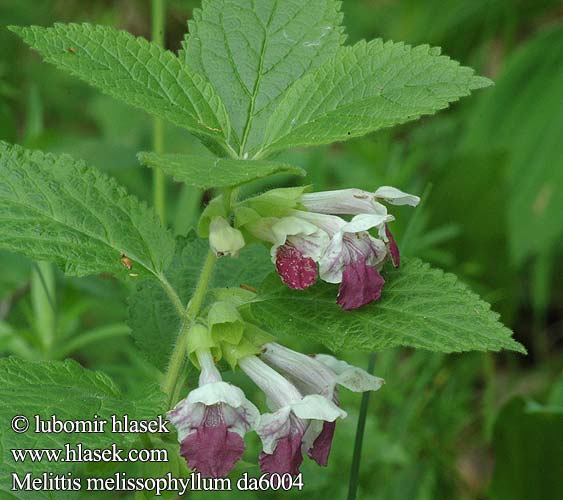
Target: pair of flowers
213,419
306,230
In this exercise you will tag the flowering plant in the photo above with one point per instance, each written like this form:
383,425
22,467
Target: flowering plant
253,79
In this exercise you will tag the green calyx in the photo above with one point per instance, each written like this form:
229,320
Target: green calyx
225,323
251,344
271,204
199,339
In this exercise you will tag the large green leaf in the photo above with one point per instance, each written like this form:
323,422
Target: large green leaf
205,172
69,392
523,117
57,209
133,70
527,448
420,307
364,88
153,319
252,51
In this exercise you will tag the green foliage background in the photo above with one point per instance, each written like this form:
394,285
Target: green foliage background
490,172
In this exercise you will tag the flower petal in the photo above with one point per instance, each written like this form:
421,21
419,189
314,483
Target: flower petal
274,426
185,417
363,222
286,458
361,284
212,450
342,201
396,196
320,450
393,248
217,392
309,375
349,376
296,271
317,407
313,240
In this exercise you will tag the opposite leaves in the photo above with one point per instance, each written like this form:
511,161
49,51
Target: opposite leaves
57,209
135,71
364,88
420,307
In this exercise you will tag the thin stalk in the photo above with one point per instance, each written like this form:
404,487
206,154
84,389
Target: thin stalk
44,309
178,357
356,459
488,395
159,180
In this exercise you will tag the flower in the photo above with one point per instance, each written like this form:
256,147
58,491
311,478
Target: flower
310,231
295,422
297,245
353,257
212,420
319,375
224,239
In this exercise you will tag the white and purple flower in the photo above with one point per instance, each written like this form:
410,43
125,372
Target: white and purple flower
345,252
212,420
320,375
295,423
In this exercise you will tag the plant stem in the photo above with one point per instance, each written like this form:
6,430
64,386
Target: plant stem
43,301
159,180
178,357
356,459
488,395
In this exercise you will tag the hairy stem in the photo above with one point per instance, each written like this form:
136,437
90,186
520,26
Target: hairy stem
178,357
159,180
356,459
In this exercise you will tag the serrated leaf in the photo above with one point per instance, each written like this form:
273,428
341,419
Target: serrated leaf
135,71
70,392
364,88
253,51
154,321
57,209
420,307
205,172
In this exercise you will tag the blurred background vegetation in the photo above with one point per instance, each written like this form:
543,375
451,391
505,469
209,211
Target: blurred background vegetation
490,171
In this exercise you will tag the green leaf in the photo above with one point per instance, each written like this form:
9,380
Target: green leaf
135,71
154,321
364,88
420,307
527,447
252,52
205,172
70,392
523,117
57,209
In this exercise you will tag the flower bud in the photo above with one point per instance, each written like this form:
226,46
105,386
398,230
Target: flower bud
224,239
